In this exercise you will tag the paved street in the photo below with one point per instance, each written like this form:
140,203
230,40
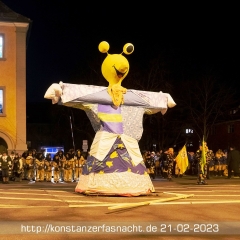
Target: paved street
47,205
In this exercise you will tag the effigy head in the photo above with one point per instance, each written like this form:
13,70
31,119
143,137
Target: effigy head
115,68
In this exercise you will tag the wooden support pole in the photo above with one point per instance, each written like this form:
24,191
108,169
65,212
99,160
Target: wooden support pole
177,194
131,205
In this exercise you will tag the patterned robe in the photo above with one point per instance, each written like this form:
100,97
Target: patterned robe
115,165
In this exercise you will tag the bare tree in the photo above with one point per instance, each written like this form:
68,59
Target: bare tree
205,102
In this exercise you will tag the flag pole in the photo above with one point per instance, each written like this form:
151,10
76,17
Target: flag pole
203,156
72,133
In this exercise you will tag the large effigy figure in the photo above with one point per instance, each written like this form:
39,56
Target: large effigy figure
115,165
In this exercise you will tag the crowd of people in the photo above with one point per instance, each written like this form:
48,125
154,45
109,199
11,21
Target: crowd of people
219,164
35,166
68,166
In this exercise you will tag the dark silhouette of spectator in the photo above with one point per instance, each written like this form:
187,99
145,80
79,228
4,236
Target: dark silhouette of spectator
233,160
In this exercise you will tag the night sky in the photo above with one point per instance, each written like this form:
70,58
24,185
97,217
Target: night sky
64,38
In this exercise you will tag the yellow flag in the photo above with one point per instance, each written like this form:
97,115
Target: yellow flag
203,157
182,160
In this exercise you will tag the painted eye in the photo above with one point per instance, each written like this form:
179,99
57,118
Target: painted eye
128,48
103,47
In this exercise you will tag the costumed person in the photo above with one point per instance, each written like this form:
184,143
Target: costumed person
11,175
169,159
40,162
177,170
209,161
204,156
233,161
164,164
192,163
10,166
72,152
150,165
211,165
17,168
5,162
219,161
56,169
12,155
115,165
62,160
68,167
157,163
24,156
29,164
225,167
79,162
34,153
48,167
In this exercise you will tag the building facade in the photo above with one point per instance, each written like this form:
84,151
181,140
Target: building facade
13,34
225,134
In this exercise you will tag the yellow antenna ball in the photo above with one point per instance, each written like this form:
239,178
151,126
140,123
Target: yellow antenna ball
103,47
128,48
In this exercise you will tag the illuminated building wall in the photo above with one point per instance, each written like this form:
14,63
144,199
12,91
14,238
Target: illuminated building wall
13,32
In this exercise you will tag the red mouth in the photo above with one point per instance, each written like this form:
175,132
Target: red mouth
119,74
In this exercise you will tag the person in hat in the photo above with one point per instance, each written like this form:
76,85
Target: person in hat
5,162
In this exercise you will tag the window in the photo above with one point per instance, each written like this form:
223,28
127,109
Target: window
52,150
1,45
2,102
230,128
190,144
233,111
189,131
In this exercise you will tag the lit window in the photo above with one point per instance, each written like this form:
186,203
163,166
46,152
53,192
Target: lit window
52,150
189,131
1,46
2,101
233,111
